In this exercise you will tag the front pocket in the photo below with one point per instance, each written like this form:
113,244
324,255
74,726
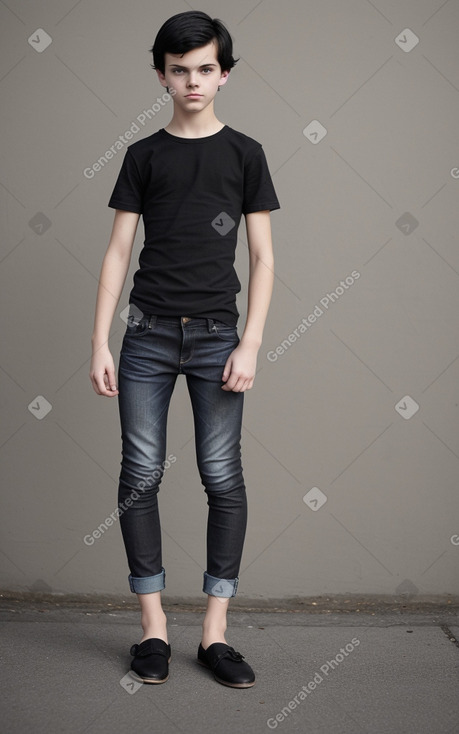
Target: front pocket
137,327
226,333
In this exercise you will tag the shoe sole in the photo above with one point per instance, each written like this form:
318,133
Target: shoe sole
225,682
150,680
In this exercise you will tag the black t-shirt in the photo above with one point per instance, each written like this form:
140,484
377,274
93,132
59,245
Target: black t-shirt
192,193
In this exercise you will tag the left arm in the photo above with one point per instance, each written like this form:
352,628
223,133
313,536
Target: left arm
239,372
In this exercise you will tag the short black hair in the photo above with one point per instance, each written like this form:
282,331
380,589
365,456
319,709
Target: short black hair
192,29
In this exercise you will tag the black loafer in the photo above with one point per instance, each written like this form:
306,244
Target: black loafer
227,665
151,660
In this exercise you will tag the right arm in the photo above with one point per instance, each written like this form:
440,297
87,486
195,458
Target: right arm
115,266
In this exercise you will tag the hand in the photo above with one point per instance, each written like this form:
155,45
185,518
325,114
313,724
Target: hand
102,372
240,367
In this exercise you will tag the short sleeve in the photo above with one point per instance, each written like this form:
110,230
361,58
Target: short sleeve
128,191
259,193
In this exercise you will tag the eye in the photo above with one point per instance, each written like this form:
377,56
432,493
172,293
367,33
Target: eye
207,70
177,71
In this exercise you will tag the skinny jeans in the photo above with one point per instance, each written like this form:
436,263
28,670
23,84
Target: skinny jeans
155,350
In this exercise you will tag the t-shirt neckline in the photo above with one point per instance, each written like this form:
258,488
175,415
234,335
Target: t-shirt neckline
179,139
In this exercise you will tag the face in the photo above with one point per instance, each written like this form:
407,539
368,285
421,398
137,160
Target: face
195,77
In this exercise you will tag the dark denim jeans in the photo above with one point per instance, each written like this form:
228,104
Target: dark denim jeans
155,350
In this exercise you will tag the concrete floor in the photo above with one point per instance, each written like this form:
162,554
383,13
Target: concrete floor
66,669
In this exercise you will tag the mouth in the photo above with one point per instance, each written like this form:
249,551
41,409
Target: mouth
193,96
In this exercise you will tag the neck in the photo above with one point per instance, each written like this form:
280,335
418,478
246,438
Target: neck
194,125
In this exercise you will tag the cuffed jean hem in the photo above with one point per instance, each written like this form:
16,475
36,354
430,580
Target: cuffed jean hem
219,587
147,584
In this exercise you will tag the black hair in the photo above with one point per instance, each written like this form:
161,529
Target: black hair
192,29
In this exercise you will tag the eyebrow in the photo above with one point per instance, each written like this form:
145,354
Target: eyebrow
185,68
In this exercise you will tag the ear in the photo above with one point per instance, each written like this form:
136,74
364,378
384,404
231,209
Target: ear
161,77
224,77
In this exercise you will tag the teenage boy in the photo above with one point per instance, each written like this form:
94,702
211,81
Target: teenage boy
191,181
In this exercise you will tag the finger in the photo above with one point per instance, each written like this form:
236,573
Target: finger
239,385
101,387
111,379
110,382
231,382
229,386
108,393
227,369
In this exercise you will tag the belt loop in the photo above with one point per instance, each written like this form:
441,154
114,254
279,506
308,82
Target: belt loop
152,321
210,325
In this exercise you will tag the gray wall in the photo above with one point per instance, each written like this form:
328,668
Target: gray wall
348,493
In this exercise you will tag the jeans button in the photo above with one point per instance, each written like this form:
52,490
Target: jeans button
185,319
